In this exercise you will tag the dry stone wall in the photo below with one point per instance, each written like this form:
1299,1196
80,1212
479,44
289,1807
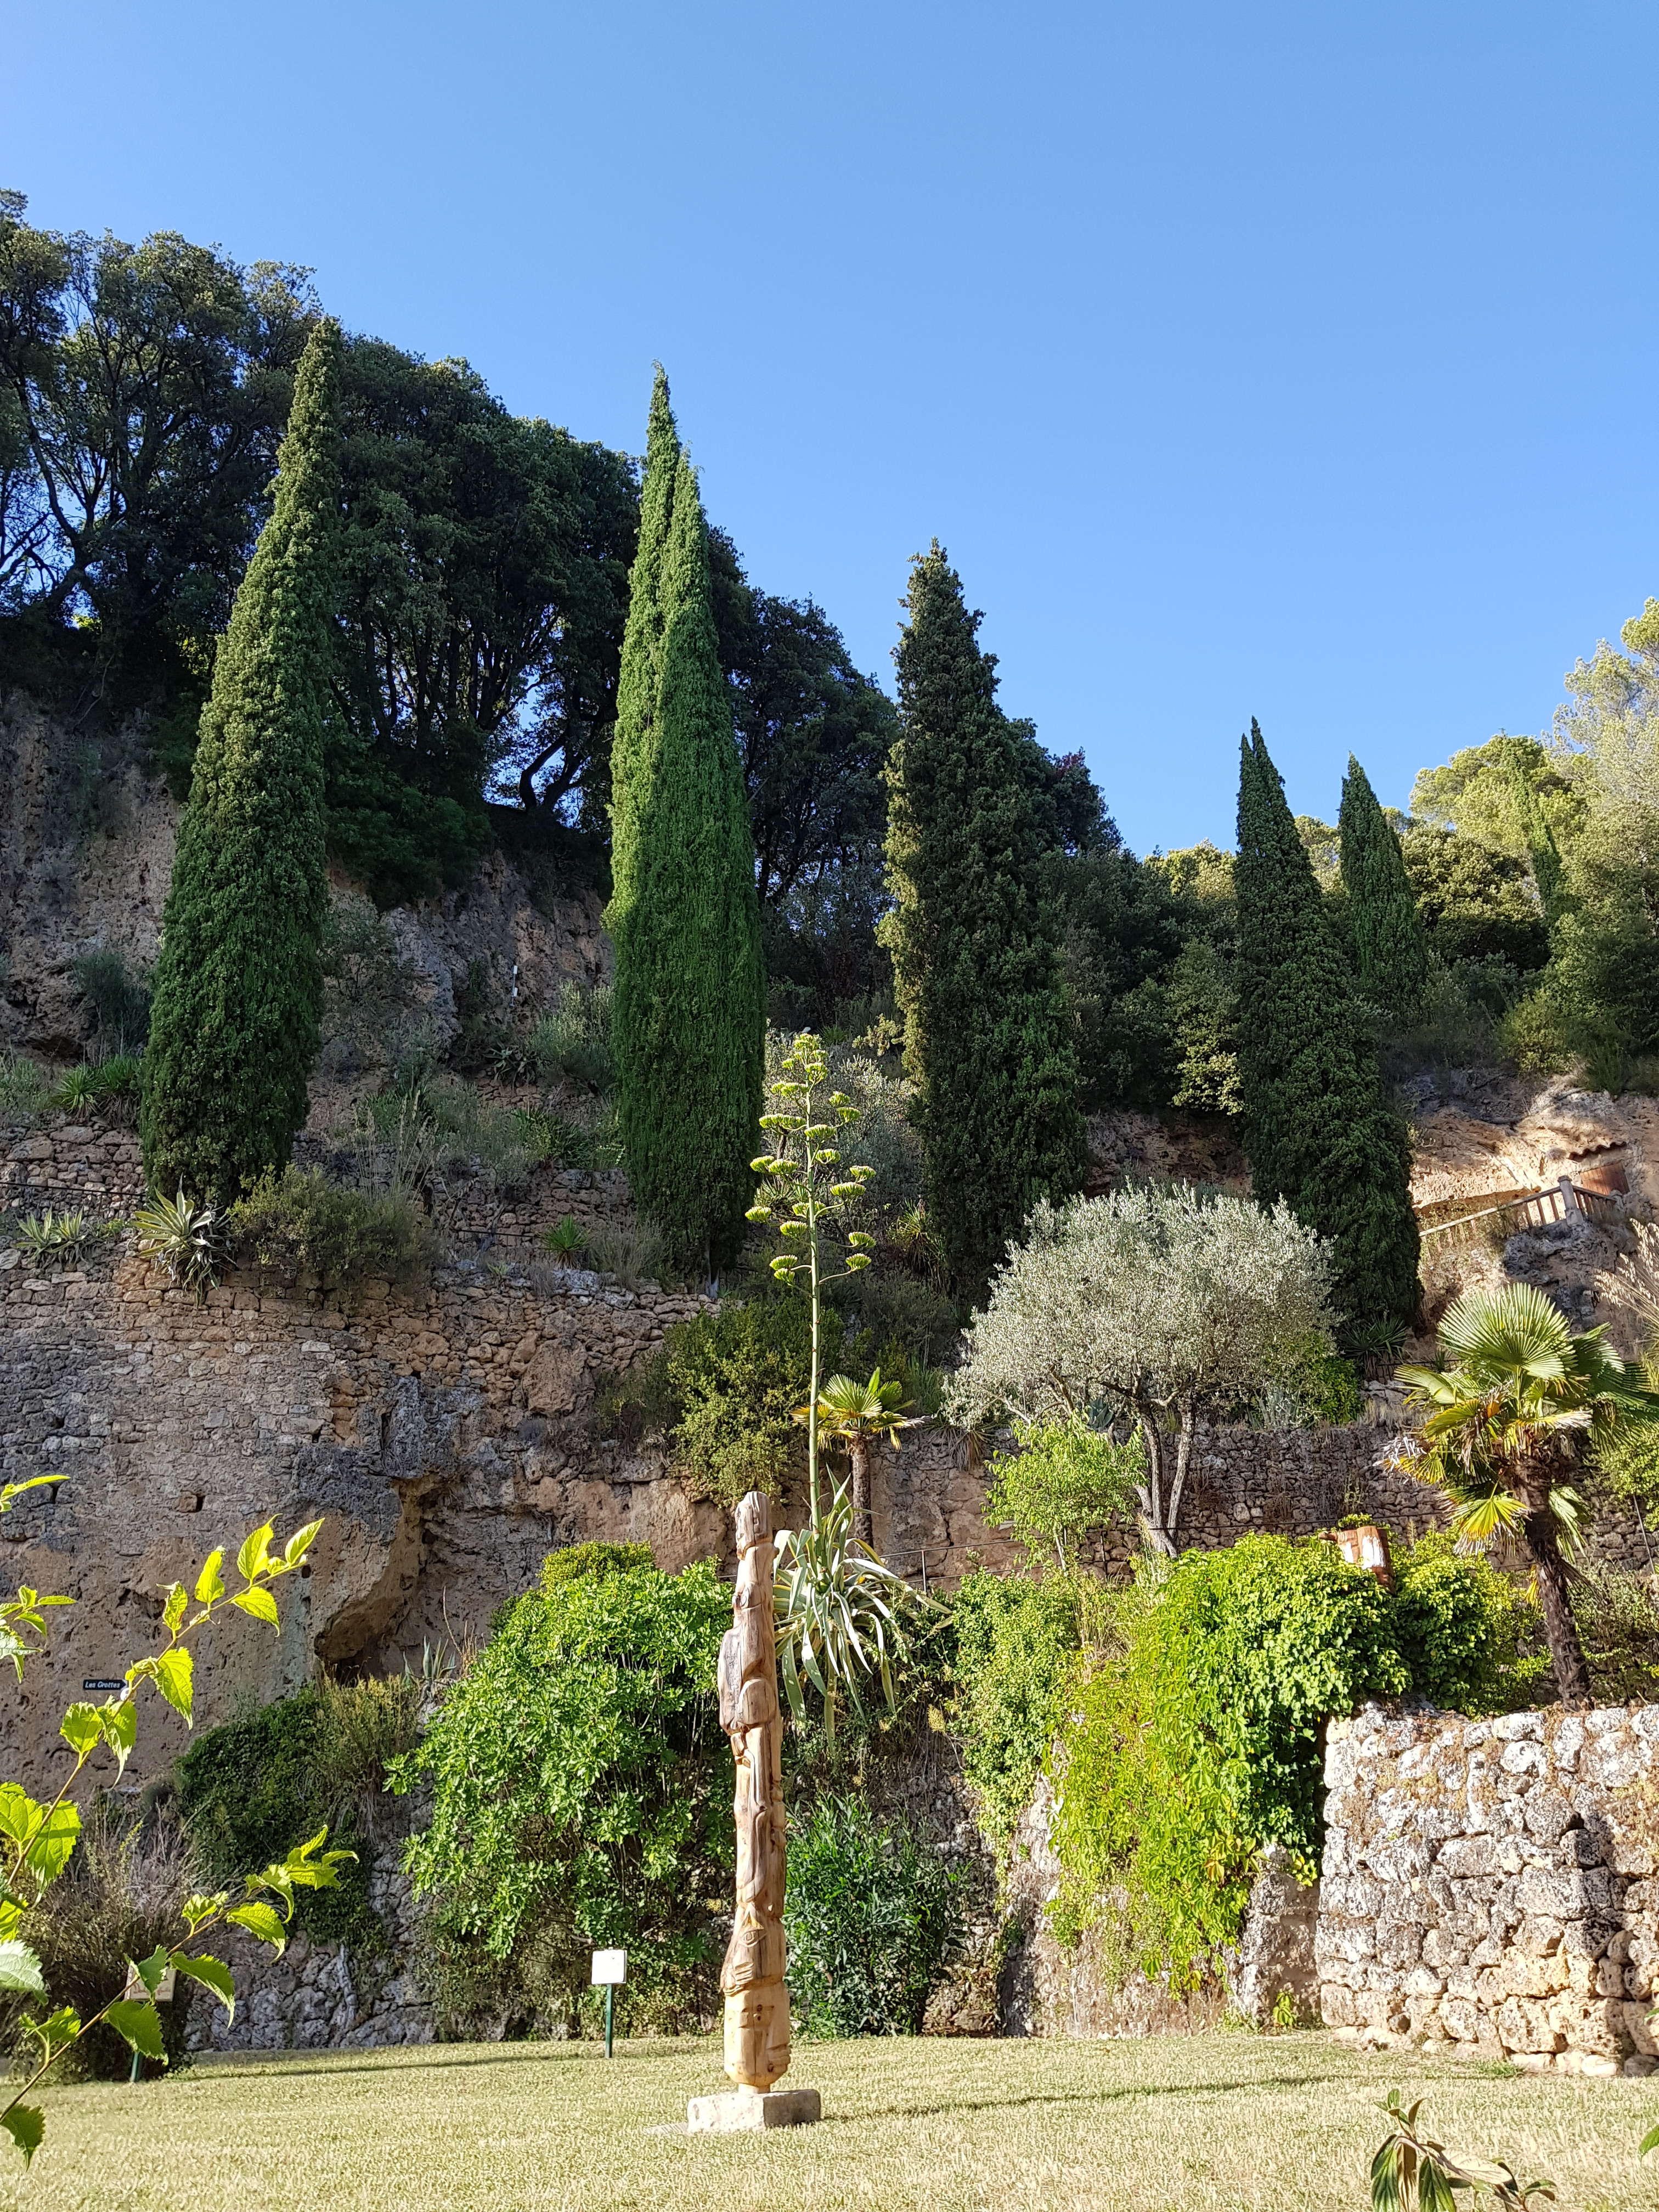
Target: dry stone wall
1491,1887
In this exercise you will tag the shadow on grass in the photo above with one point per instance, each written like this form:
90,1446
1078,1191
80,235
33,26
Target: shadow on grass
1141,2091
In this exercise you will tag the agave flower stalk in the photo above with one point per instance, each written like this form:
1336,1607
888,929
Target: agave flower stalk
810,1182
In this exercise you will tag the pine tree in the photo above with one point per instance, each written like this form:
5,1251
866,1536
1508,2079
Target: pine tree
1392,944
238,984
1317,1129
977,968
690,1009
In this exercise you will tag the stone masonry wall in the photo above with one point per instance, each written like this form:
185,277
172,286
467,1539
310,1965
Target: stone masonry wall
1491,1887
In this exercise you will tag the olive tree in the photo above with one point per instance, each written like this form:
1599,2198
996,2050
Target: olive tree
1157,1304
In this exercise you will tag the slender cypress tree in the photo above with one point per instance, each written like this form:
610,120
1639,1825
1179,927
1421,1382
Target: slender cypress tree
976,962
1392,944
238,987
1317,1128
689,1013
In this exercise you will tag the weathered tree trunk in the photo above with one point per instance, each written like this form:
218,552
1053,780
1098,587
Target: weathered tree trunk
864,1529
1560,1630
1155,1518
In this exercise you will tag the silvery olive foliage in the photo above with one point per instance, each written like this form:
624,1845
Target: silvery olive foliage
1156,1303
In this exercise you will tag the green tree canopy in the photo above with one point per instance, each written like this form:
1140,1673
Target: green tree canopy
239,987
146,388
1317,1127
688,1016
482,592
1475,903
974,939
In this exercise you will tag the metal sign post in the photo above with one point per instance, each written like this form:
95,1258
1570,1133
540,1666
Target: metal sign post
609,1967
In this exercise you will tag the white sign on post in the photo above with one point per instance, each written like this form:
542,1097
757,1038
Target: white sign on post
608,1966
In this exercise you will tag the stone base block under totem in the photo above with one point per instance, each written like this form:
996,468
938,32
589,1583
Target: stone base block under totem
736,2109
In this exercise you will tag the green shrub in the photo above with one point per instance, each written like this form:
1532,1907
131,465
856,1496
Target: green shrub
738,1377
269,1779
301,1219
1618,1623
117,1085
1461,1627
1017,1659
1199,1739
871,1916
638,1403
120,996
582,1795
551,1138
1065,1479
573,1039
24,1087
633,1252
595,1561
1310,1386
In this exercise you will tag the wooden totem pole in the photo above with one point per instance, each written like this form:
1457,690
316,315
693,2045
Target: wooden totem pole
757,1999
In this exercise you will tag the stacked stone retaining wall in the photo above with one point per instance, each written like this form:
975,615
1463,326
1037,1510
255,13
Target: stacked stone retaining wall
1492,1886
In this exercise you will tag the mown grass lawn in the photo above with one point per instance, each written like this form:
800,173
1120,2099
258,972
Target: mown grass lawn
1211,2121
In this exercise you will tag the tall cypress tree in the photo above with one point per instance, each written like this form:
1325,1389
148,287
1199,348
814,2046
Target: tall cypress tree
239,987
1317,1128
1392,944
689,1012
976,962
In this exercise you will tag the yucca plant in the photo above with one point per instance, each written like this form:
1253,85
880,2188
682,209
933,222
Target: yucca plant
1499,1431
840,1613
566,1241
77,1093
48,1237
182,1237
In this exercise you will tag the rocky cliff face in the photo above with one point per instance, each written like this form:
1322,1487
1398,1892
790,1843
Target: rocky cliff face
86,838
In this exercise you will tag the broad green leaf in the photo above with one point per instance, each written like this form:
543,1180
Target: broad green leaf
198,1908
81,1728
299,1867
173,1674
20,1969
20,1815
149,1970
210,1584
120,1720
298,1545
173,1611
137,2022
213,1974
259,1603
252,1560
1648,2142
260,1920
55,2033
27,2126
53,1840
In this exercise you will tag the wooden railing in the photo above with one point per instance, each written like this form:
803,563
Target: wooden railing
1529,1209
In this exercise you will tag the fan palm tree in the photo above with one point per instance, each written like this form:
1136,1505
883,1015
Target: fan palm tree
854,1414
1498,1430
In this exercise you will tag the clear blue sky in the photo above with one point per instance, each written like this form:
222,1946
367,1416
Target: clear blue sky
1293,360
